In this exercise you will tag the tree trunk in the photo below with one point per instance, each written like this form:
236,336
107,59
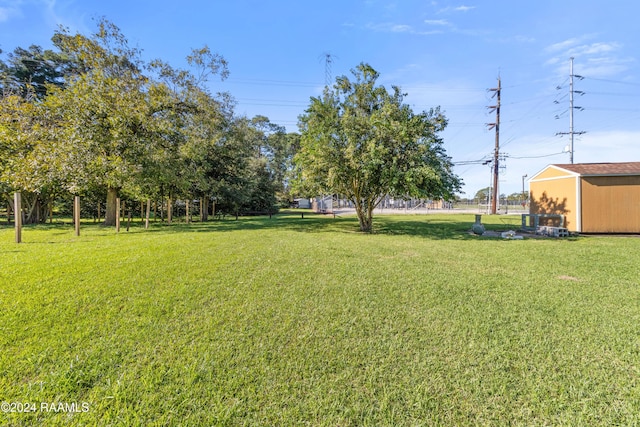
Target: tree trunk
9,209
365,216
111,210
365,221
33,206
204,209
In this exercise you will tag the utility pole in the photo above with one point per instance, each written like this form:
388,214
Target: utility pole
496,153
571,132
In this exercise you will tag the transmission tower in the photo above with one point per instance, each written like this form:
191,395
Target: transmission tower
496,154
328,60
572,91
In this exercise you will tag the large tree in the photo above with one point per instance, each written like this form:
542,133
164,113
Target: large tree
28,72
191,127
362,141
27,163
103,126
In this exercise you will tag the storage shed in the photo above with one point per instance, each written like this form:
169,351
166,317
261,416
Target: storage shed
593,197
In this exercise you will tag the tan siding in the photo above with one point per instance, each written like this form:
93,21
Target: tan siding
555,196
611,204
551,172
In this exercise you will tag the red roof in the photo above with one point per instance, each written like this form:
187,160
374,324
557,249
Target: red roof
626,168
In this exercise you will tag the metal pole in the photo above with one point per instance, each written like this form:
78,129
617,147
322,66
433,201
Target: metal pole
496,155
524,202
571,111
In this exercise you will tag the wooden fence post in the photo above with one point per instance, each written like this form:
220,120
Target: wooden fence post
146,221
17,213
117,214
187,211
76,214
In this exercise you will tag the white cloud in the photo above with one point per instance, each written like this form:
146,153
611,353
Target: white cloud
608,146
596,59
390,27
563,45
441,22
4,14
524,39
15,8
593,49
10,10
605,67
401,28
462,8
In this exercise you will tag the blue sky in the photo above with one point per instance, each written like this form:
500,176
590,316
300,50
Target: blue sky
441,53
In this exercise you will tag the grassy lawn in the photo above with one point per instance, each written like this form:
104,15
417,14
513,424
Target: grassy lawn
308,322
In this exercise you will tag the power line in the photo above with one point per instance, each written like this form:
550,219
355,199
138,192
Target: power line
264,82
612,81
535,157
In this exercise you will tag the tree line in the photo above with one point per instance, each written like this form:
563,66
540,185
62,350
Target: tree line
91,118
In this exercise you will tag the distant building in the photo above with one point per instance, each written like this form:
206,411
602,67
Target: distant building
302,203
322,204
593,197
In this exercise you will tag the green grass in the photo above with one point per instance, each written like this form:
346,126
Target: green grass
308,322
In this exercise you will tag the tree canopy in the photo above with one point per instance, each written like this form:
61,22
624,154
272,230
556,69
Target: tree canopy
93,118
361,141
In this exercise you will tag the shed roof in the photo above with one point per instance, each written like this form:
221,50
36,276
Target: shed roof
605,169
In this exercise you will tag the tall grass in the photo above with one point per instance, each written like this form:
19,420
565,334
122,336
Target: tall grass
290,321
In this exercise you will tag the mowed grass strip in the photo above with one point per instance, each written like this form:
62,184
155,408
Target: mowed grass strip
287,321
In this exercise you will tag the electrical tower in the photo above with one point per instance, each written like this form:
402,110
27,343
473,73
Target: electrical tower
496,154
571,132
328,60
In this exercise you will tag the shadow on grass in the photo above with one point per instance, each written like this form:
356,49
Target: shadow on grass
426,226
432,226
